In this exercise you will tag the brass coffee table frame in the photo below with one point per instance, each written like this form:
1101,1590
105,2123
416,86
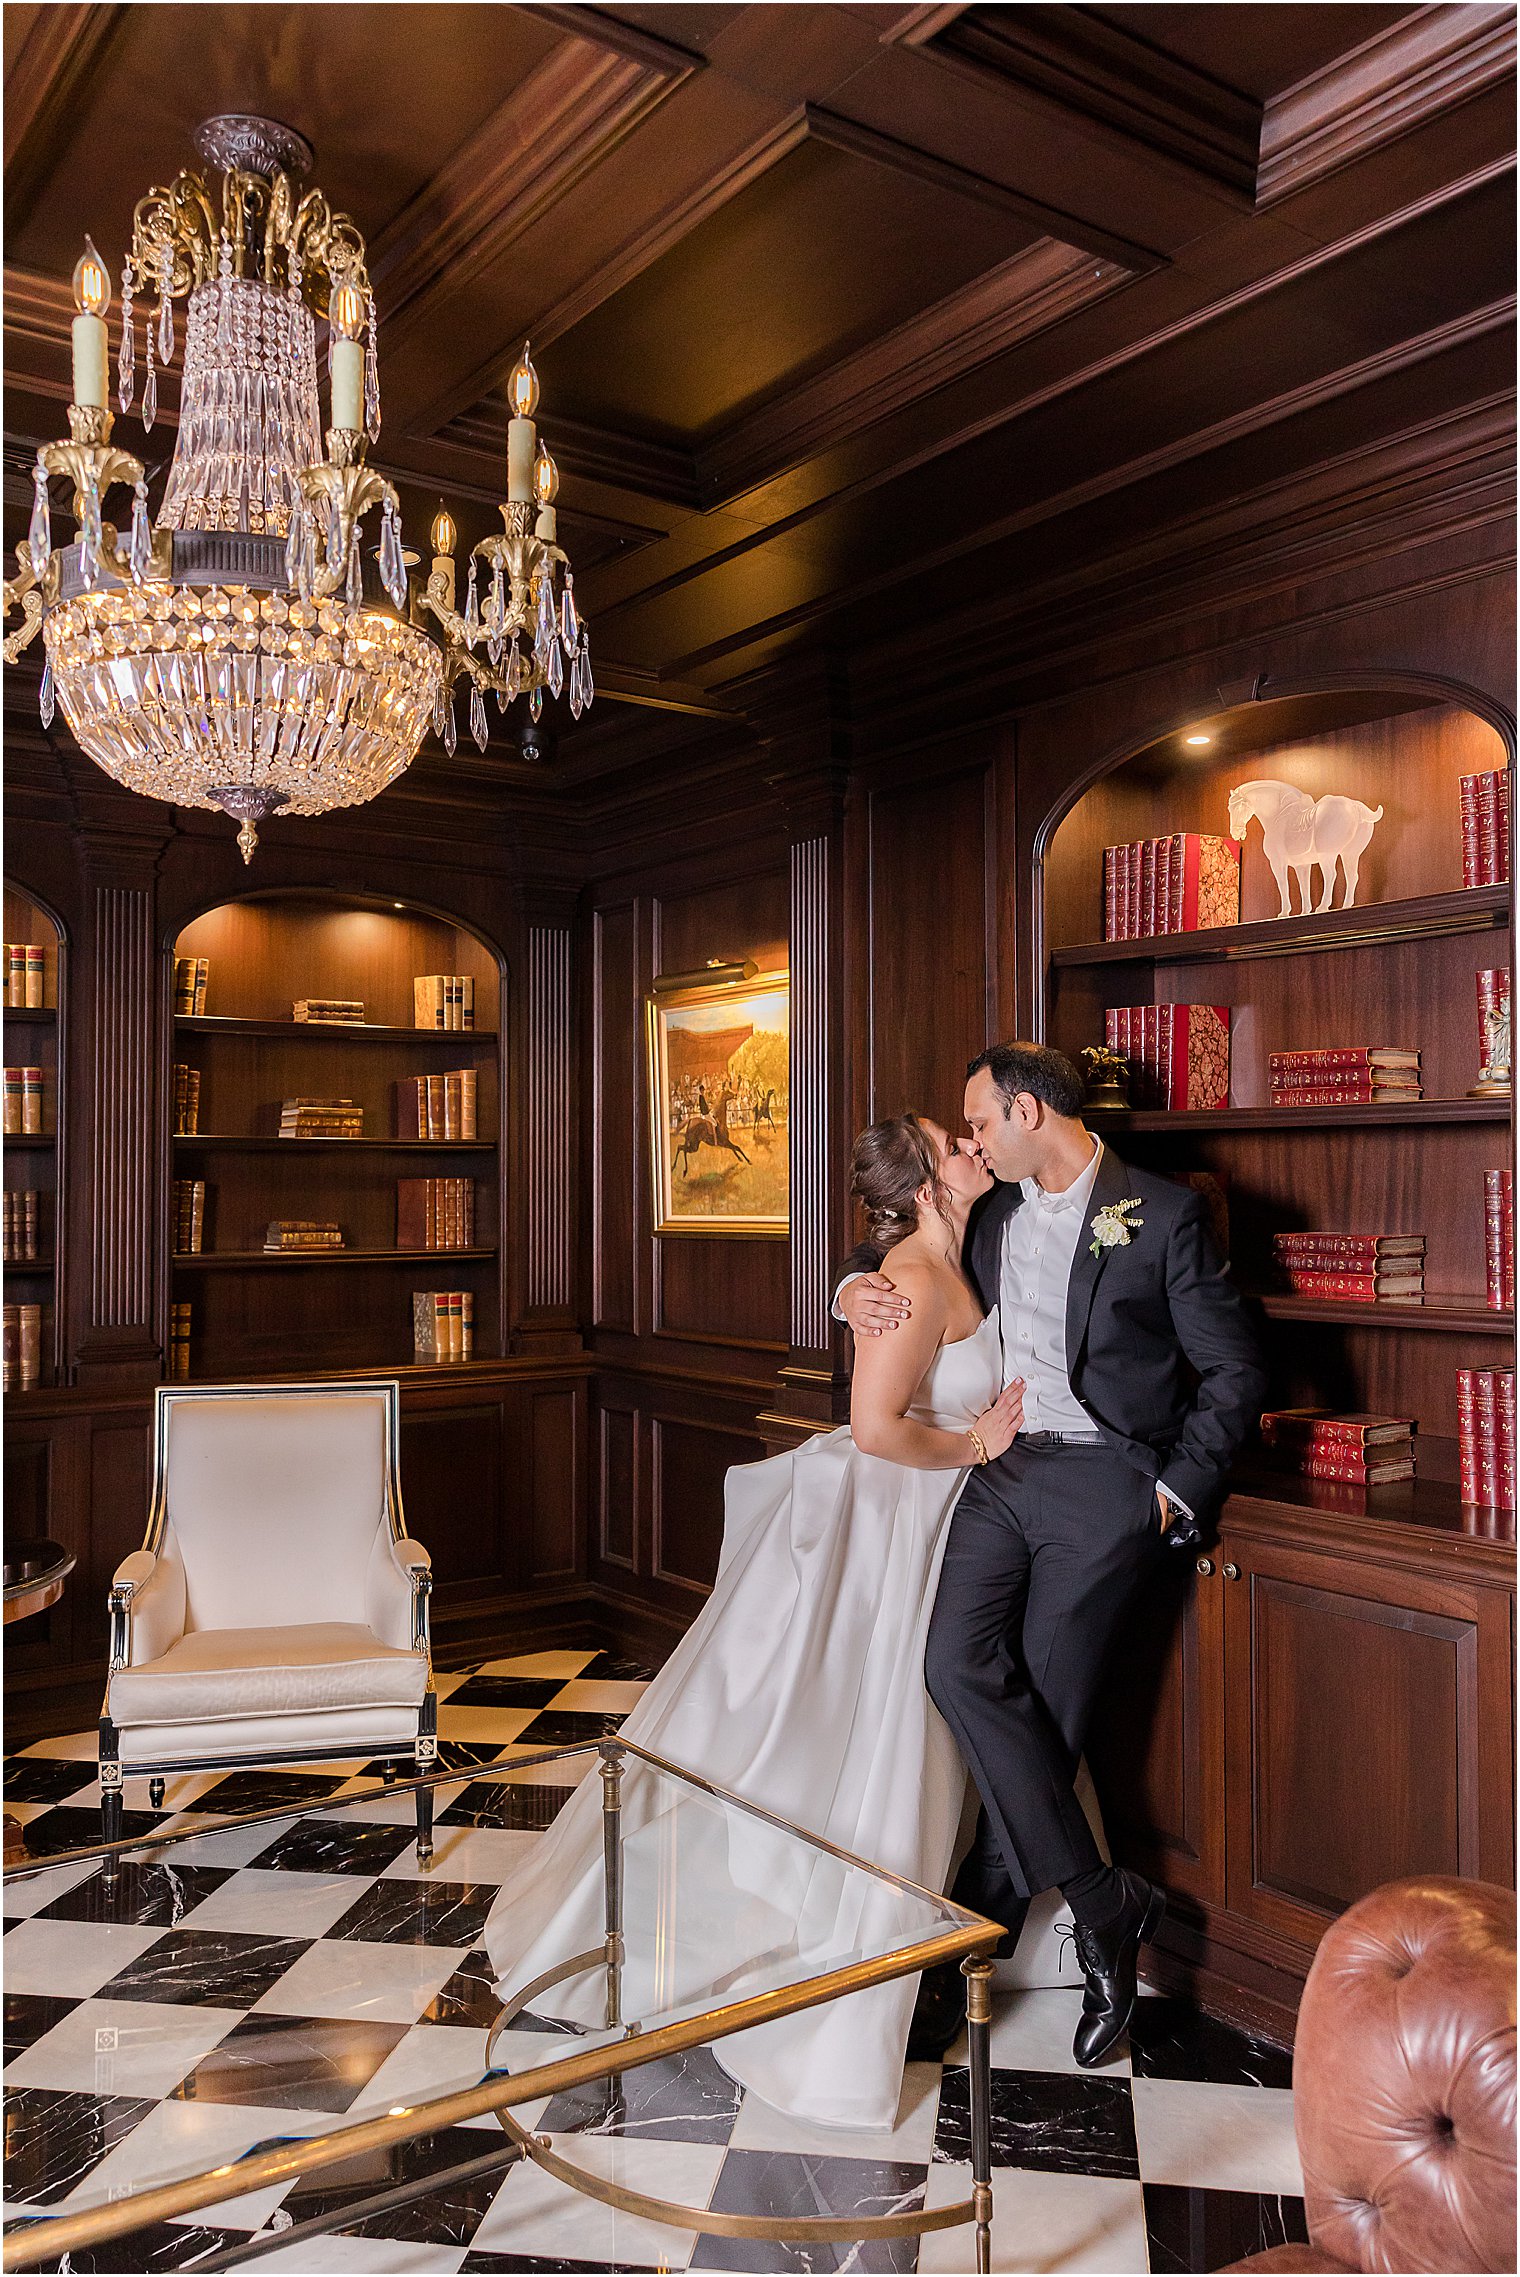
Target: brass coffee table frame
969,1942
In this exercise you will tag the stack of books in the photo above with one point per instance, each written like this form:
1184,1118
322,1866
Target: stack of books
443,1324
1363,1268
443,1000
23,1347
1485,827
188,1216
1344,1075
21,1212
1178,1054
25,965
1499,1238
435,1213
282,1235
1486,1436
1353,1450
332,1011
179,1344
437,1106
187,1099
23,1100
1181,884
321,1118
190,977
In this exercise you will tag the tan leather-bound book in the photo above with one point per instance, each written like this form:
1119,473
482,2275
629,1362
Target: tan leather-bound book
29,1346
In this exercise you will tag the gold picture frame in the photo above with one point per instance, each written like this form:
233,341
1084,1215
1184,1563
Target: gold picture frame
719,1093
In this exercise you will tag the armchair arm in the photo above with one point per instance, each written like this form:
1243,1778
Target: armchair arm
397,1587
147,1608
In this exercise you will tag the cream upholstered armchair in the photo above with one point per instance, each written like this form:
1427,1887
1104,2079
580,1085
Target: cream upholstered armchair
277,1611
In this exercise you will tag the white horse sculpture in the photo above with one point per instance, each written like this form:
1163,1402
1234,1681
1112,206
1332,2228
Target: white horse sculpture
1298,832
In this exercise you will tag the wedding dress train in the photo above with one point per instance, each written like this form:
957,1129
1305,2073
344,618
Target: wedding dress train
800,1686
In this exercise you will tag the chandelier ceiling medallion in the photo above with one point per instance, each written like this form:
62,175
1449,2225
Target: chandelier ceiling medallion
253,649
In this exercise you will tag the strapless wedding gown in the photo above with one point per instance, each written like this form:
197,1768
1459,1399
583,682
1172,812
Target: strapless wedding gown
800,1686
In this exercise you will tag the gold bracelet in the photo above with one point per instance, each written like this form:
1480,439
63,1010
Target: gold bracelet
979,1443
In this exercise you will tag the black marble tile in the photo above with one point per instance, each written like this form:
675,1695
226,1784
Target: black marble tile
1051,2122
297,2063
1171,2039
517,1805
336,1846
447,2215
163,2245
268,1791
418,1912
144,1892
45,1778
206,1968
610,1668
75,1827
28,2015
1189,2230
530,2266
683,2099
469,1996
563,1727
453,1755
54,2141
782,2184
506,1692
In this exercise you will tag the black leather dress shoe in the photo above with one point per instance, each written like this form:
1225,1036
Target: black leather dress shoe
1109,1958
938,2013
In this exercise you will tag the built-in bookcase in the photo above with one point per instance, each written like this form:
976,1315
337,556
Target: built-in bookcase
253,1313
32,1163
1398,968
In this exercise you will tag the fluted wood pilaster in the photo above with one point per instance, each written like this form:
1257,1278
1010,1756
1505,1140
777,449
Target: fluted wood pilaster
814,1138
122,1091
548,1120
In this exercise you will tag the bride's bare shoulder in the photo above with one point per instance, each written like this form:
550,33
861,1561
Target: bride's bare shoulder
919,1278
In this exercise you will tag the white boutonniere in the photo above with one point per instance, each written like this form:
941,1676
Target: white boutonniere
1113,1227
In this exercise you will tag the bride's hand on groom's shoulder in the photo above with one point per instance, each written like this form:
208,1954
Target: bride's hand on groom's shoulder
871,1303
1000,1424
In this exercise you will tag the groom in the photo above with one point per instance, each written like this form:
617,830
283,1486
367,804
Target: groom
1141,1377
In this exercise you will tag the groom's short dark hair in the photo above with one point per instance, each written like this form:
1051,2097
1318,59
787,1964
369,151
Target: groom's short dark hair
1045,1074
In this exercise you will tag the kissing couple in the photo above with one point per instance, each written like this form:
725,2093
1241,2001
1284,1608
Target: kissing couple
1053,1371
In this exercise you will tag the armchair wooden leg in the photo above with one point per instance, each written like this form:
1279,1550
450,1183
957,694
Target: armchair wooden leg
155,1794
427,1760
110,1787
424,1824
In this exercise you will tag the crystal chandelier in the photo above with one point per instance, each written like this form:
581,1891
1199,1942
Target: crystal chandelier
252,650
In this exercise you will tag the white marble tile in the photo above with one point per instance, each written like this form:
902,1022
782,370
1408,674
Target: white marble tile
267,1902
223,1845
1033,2031
562,1771
434,2060
588,1697
465,1854
70,1958
534,2214
561,1664
1208,2137
392,1984
760,2127
80,1746
122,2047
29,1893
180,2139
488,1726
364,2257
1040,2222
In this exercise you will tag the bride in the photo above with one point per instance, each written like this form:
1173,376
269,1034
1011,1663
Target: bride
800,1686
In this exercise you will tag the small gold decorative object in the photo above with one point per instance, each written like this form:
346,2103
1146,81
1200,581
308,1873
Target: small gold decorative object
1113,1227
1497,1072
1107,1076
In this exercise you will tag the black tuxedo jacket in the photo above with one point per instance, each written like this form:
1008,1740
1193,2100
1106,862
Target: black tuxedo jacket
1160,1349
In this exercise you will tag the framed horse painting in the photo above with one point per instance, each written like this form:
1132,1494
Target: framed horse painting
719,1094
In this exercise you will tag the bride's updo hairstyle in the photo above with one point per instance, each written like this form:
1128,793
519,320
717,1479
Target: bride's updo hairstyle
891,1161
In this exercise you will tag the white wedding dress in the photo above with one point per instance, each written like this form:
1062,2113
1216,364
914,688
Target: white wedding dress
800,1686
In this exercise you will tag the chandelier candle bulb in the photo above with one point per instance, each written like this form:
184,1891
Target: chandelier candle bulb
346,312
546,527
521,440
92,297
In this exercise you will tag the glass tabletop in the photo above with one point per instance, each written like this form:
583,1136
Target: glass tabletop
256,2018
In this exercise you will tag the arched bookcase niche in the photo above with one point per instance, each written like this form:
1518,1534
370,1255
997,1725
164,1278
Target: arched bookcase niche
266,1311
34,1019
1399,968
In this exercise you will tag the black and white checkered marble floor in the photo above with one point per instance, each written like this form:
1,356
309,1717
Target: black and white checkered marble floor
285,1972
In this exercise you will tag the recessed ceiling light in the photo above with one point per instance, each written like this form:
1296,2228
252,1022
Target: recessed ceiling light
1198,739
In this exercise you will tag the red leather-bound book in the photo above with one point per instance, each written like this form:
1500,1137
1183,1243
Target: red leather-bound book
1467,1433
1472,859
1356,1288
1342,1059
1198,1059
1499,1237
1345,1252
1504,1437
1323,1428
1351,1470
1205,881
1110,893
1147,887
1343,1095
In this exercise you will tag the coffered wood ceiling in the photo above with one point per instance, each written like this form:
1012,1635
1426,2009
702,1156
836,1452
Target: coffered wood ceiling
853,321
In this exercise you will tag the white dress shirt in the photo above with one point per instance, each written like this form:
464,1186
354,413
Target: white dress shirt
1039,1248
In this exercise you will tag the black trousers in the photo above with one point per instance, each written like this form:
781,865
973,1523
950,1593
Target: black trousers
1044,1554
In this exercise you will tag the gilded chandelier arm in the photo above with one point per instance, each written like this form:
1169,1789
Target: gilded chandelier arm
24,593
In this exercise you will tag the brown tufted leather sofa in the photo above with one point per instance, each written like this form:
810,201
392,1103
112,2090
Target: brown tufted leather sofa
1404,2085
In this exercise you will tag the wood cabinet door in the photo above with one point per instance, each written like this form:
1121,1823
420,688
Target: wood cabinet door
1368,1731
1156,1748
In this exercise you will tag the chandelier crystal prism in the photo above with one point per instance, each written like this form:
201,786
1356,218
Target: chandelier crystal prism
255,649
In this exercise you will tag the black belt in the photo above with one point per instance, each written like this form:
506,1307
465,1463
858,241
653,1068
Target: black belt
1043,1439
